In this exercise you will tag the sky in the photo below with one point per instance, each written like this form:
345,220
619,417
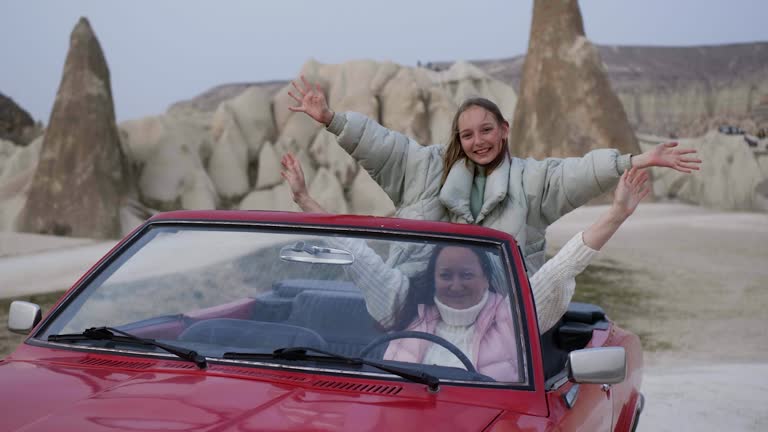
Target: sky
161,52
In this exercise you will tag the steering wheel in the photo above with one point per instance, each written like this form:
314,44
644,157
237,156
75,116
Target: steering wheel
410,334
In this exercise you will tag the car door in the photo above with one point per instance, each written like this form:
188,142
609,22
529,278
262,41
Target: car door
582,407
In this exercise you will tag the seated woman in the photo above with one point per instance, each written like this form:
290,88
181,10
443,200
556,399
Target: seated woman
455,297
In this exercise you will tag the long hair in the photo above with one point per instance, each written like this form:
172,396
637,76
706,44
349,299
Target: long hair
454,152
421,289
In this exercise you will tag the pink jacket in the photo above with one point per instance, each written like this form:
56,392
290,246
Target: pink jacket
494,343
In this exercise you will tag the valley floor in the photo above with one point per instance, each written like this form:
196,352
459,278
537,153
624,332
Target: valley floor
702,279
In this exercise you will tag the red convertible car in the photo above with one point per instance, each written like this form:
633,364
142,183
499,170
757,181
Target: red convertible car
255,321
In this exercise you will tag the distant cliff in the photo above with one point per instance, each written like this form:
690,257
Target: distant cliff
222,149
669,91
682,91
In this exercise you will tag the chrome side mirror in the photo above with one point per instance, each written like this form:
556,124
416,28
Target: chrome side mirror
606,365
23,317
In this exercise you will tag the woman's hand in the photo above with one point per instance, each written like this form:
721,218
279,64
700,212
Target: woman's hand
669,156
294,175
312,101
629,192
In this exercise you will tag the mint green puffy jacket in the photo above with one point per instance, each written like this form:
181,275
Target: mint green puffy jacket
522,196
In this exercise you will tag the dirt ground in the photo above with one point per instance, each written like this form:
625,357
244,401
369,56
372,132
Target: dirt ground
697,279
692,282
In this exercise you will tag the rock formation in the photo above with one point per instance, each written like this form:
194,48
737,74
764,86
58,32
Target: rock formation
760,112
731,177
566,106
16,125
82,176
17,168
222,149
680,91
241,159
168,152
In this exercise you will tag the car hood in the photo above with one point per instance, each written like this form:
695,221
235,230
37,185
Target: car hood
40,396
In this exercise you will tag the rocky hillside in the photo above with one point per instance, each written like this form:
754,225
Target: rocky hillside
667,91
209,100
681,91
222,149
16,124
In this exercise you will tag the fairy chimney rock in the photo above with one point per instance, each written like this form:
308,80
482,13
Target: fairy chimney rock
81,177
566,106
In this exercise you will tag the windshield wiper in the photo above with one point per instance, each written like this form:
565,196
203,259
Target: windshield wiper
300,353
108,333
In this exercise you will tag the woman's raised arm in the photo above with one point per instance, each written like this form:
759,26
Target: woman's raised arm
554,284
382,286
294,175
629,192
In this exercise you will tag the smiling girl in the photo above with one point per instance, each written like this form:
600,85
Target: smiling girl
474,179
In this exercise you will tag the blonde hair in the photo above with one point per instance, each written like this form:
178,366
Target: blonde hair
454,152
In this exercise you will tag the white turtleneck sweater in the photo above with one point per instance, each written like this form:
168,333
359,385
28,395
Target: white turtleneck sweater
456,326
383,287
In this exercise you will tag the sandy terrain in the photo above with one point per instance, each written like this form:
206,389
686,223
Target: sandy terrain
705,276
695,280
717,397
32,264
704,273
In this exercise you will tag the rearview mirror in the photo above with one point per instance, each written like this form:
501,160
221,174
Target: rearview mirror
23,317
303,252
607,365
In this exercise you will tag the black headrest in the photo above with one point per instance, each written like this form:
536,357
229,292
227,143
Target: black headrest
584,313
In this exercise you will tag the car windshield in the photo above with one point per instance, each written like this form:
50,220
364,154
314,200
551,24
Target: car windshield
413,300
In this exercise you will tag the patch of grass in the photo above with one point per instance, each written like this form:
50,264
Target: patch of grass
620,293
613,289
8,340
652,342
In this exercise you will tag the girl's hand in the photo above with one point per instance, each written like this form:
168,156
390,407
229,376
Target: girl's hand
312,102
630,191
669,156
